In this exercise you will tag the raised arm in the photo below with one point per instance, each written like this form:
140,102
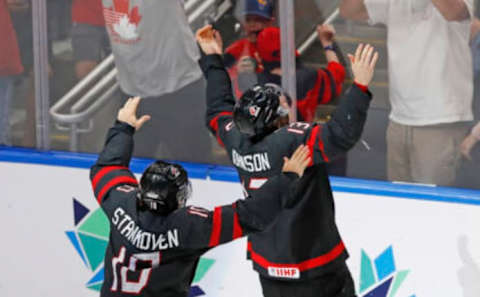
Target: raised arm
333,75
452,10
111,168
354,10
340,134
253,214
220,99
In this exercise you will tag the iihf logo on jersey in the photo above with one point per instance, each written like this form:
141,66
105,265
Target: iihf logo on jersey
89,237
381,279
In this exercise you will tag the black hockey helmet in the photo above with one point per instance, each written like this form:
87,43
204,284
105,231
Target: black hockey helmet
258,108
164,187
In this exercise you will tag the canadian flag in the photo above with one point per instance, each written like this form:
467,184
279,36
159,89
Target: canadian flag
123,20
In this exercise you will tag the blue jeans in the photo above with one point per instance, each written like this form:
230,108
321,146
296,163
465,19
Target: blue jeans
6,90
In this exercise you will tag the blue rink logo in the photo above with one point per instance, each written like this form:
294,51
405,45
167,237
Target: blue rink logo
89,237
380,278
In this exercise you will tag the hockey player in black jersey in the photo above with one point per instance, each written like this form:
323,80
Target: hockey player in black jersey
155,240
302,253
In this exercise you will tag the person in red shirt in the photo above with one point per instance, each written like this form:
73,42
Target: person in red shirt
89,37
314,86
241,57
10,65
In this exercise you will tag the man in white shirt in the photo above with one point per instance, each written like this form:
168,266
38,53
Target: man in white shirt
431,83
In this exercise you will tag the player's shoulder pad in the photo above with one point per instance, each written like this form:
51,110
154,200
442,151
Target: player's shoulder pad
227,123
298,128
190,213
292,134
127,189
120,195
123,191
198,212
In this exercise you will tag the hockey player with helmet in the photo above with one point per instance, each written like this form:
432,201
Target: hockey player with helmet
155,240
302,253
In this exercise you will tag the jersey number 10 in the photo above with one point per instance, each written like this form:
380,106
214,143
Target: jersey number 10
133,286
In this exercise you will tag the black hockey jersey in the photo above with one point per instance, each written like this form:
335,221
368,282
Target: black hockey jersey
153,255
304,241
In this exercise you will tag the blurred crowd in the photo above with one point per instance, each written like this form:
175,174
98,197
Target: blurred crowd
433,67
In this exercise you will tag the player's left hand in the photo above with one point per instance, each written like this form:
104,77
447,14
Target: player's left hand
128,114
298,161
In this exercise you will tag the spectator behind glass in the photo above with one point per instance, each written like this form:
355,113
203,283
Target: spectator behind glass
89,37
430,83
241,57
156,57
10,65
473,137
314,86
21,13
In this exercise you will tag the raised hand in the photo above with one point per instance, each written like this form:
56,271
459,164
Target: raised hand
298,161
128,114
326,34
363,64
210,40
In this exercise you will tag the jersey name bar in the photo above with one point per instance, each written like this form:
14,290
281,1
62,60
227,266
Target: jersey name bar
142,239
251,163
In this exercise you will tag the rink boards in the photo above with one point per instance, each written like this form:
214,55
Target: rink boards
403,240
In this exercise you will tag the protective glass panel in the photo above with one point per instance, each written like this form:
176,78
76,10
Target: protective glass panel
17,92
425,88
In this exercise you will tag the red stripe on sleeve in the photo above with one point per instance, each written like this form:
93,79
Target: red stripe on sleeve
102,172
214,122
216,227
115,182
237,229
311,143
363,88
321,146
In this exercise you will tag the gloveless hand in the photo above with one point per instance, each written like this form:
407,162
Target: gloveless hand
298,161
363,64
128,114
210,40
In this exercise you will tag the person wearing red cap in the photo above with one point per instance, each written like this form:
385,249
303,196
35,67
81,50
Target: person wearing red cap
314,86
241,57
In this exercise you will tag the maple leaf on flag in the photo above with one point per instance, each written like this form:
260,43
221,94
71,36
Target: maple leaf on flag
121,6
125,29
135,16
